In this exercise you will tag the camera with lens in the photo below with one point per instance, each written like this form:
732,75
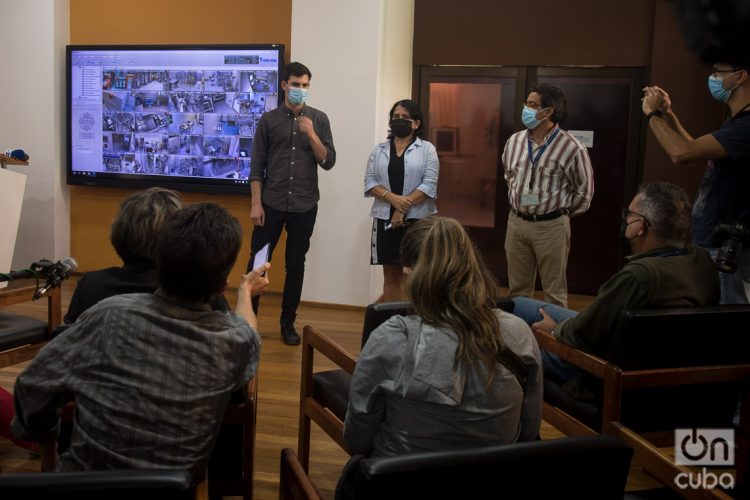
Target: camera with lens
733,236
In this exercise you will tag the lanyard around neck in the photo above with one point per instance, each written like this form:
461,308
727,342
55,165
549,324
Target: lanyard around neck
539,152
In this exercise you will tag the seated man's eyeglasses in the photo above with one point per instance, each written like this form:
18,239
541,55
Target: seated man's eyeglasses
626,213
718,71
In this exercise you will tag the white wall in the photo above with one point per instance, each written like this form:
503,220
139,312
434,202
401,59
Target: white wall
360,56
33,35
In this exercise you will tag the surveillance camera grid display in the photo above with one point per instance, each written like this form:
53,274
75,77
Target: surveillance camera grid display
179,122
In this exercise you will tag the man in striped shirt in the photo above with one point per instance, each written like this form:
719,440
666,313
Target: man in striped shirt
550,179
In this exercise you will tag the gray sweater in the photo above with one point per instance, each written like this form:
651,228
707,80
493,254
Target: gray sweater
407,395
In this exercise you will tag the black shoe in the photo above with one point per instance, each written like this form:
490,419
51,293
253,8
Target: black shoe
289,334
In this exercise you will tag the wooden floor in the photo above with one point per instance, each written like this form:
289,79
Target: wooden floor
278,400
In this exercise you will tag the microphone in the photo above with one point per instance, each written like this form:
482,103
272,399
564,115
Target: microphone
56,273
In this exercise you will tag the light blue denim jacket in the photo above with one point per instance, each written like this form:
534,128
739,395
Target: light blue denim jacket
421,167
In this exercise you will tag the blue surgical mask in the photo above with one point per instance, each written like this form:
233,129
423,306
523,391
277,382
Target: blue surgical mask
296,95
716,87
528,117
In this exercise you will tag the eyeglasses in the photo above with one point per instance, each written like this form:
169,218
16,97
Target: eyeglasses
533,105
718,72
626,212
397,116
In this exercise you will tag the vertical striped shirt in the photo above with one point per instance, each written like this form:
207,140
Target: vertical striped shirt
562,176
151,376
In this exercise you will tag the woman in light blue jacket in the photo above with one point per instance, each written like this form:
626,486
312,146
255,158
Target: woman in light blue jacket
401,175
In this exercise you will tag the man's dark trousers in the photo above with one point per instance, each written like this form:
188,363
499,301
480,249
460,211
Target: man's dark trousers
299,228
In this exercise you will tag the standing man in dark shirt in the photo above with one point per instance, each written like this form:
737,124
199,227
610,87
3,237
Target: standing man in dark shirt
290,142
721,212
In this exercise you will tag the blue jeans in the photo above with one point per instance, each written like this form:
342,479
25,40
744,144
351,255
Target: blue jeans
528,310
735,287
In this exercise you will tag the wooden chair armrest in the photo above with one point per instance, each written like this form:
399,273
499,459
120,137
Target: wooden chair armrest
313,338
659,465
685,376
16,294
293,481
252,389
589,363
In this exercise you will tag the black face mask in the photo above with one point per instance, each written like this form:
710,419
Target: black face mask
401,127
624,240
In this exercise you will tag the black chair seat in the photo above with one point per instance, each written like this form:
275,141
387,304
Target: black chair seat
155,484
17,330
331,389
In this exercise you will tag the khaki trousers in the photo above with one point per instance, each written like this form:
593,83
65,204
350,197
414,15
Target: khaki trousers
541,246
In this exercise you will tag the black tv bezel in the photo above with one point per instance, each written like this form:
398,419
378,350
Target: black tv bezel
134,181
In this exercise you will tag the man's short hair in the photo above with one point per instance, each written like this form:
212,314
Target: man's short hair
554,97
136,226
198,246
295,69
667,208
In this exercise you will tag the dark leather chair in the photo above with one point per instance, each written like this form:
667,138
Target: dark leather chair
324,395
669,368
152,484
21,337
579,467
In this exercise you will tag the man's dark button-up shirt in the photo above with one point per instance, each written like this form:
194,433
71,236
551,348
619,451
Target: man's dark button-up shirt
283,159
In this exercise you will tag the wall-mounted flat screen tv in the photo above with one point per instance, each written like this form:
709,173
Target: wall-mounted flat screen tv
181,117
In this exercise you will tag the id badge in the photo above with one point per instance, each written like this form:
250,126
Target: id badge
530,199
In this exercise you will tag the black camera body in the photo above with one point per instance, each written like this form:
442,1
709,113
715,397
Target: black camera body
733,237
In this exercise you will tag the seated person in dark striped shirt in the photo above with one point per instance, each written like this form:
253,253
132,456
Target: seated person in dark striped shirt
151,373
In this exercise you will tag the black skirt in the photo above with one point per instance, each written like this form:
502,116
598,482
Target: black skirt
385,246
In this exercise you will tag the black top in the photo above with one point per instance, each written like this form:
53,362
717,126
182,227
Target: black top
283,159
95,286
722,196
396,172
98,285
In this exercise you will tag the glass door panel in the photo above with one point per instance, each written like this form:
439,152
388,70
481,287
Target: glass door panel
464,126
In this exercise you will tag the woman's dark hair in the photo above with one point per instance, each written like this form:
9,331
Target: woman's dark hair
137,224
198,246
554,97
414,112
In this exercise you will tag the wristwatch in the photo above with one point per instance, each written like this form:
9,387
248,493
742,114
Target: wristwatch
655,112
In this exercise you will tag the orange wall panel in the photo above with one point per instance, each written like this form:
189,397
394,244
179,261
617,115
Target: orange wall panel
168,22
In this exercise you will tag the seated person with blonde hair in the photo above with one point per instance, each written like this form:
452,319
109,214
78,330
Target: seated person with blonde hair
458,373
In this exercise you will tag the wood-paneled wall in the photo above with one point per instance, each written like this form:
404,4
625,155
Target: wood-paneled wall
638,33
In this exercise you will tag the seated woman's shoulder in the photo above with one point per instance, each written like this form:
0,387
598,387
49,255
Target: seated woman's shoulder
516,334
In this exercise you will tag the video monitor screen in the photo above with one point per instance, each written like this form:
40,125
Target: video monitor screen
181,117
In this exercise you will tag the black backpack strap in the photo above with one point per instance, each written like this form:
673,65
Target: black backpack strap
515,364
